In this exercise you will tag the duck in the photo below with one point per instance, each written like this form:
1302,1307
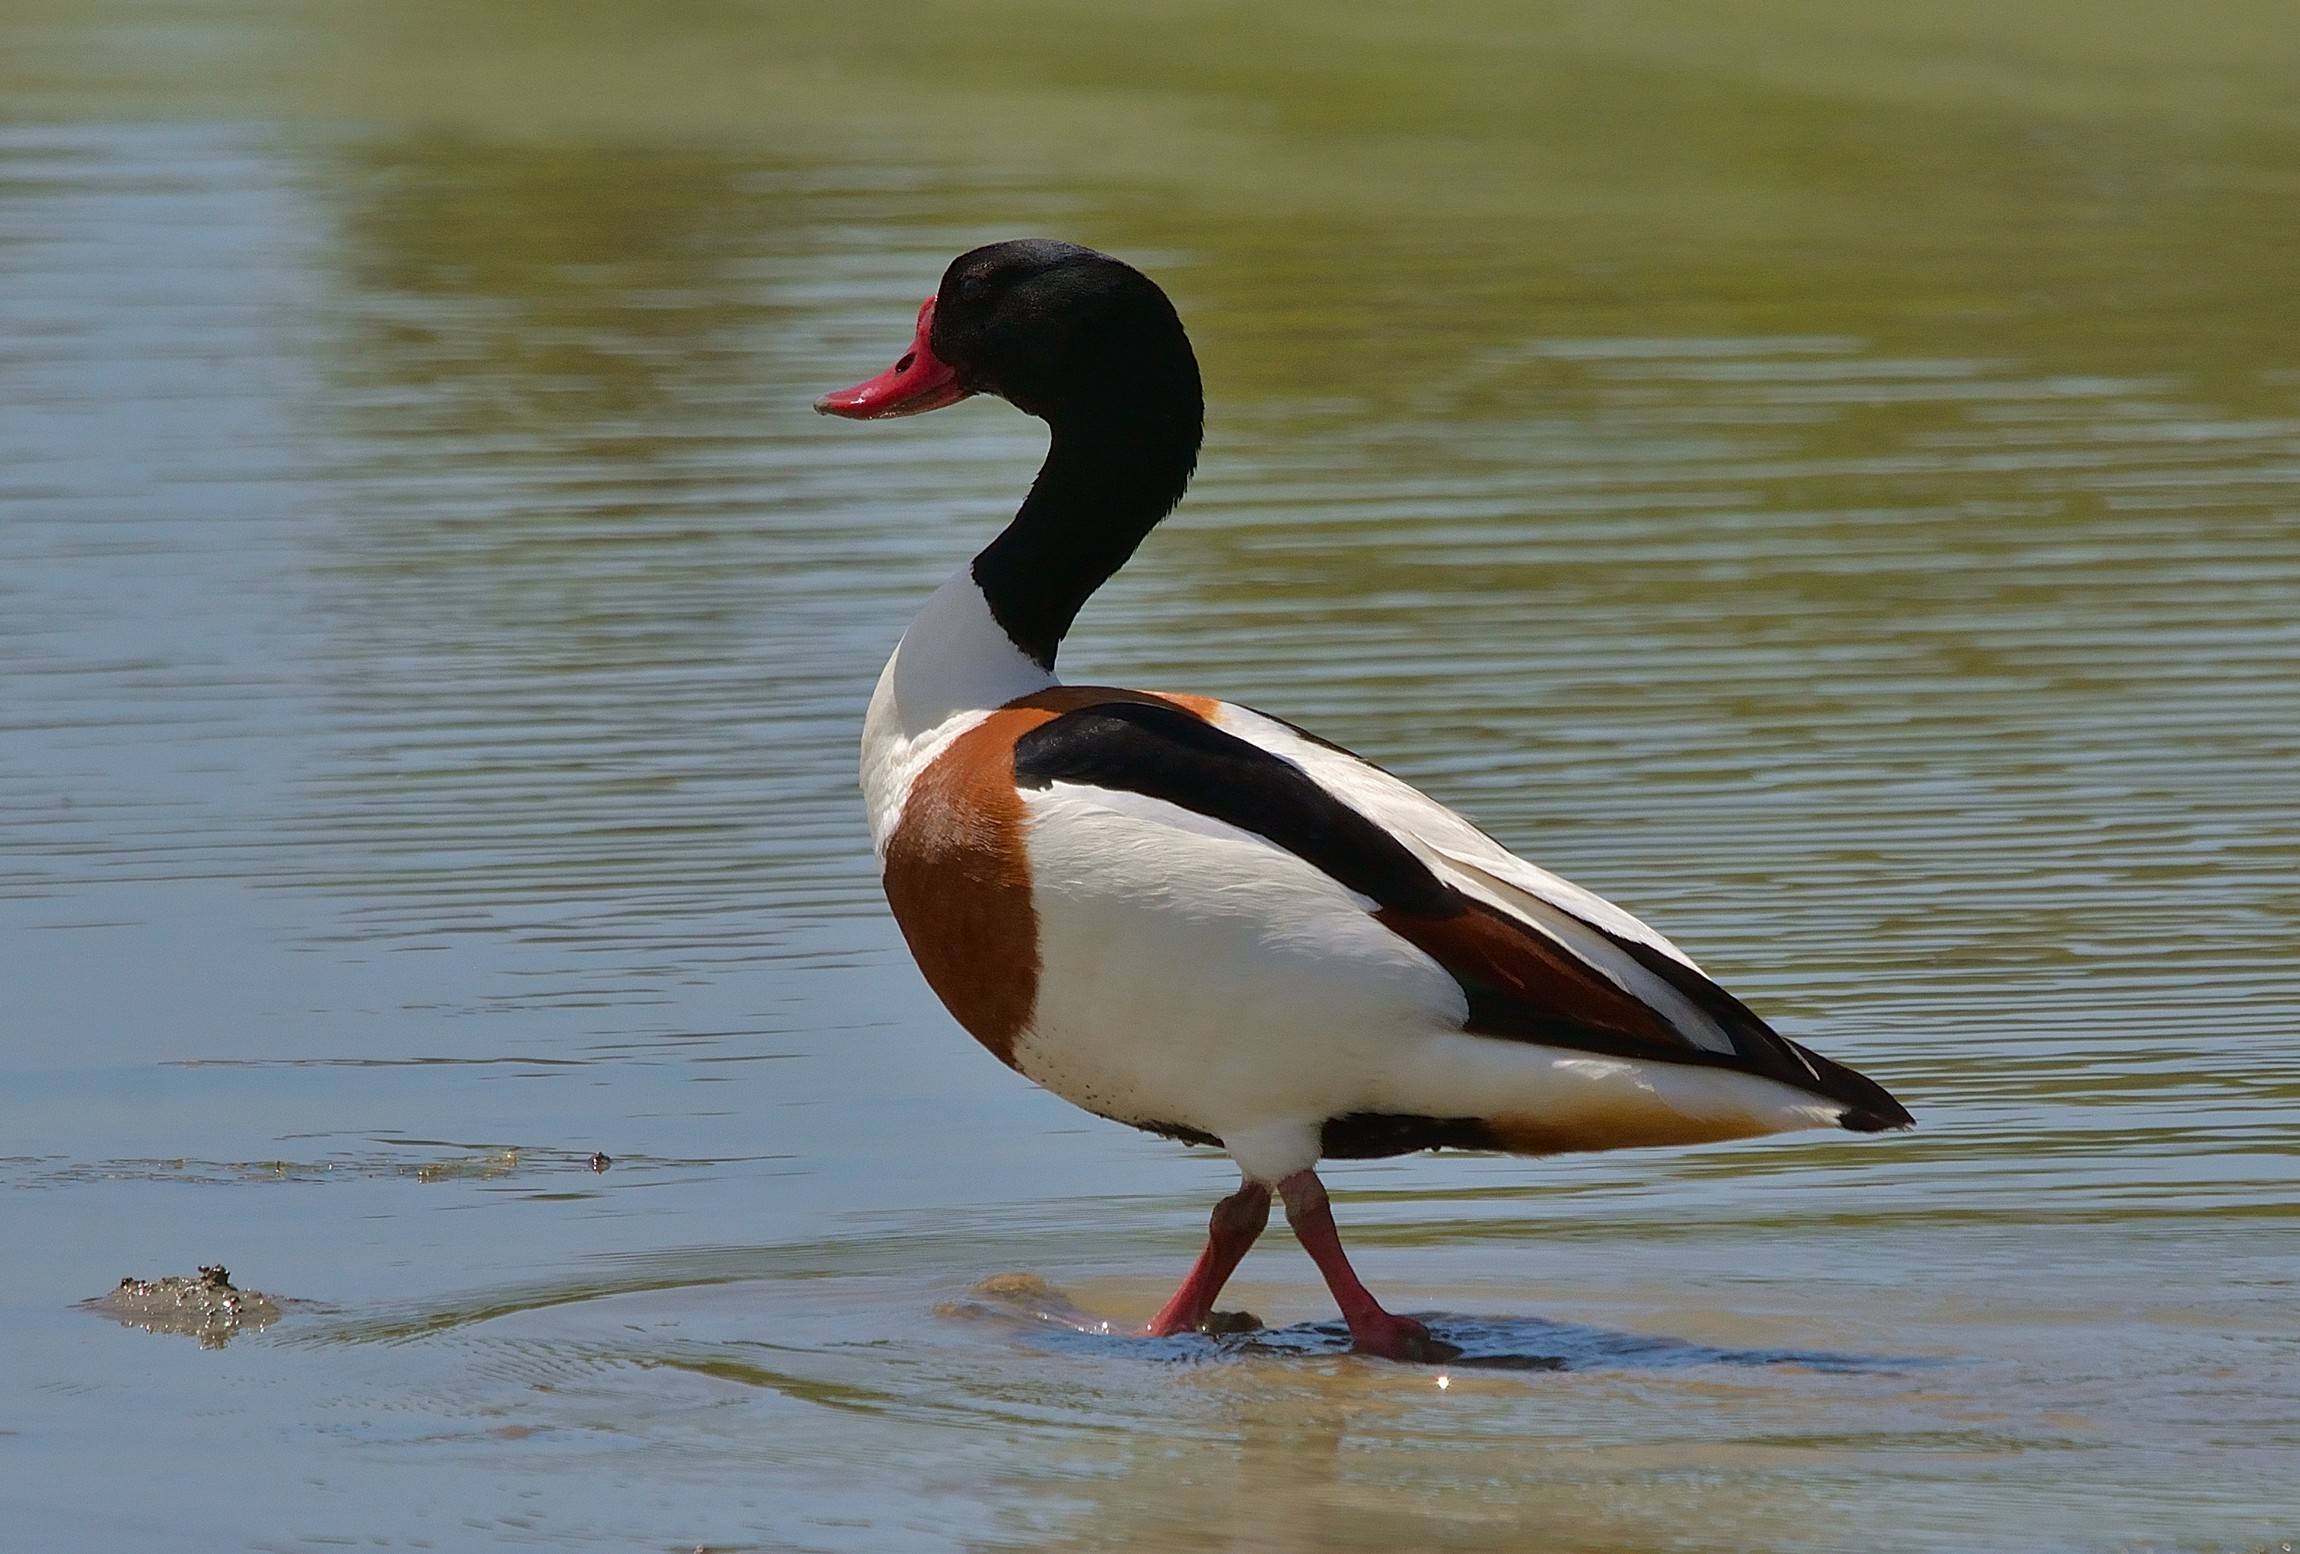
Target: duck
1200,920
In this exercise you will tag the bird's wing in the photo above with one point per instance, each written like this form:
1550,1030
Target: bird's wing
1538,904
1538,958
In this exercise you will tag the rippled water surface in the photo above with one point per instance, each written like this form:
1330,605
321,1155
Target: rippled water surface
1825,477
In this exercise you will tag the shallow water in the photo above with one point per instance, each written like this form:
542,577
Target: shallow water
1828,479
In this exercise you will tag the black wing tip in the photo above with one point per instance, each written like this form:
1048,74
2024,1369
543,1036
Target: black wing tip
1869,1106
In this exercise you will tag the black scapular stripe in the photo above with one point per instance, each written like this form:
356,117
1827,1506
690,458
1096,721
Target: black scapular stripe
1163,752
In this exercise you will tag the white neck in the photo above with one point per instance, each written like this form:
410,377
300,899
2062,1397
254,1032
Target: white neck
957,658
953,665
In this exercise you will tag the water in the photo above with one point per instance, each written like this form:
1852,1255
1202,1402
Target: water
1828,479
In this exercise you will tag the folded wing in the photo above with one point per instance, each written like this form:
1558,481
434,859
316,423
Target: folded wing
1539,959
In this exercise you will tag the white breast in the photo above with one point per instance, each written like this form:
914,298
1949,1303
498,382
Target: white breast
953,665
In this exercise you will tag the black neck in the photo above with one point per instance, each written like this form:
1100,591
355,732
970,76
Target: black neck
1107,481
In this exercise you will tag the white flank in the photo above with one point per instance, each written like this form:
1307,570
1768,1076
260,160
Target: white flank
1193,973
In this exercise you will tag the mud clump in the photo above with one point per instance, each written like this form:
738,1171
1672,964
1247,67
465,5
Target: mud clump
208,1307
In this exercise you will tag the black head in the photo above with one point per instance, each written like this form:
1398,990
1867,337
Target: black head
1091,346
1064,333
1067,334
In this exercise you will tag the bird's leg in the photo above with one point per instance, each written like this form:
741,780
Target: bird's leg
1372,1330
1237,1220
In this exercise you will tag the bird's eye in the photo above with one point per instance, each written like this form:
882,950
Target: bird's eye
974,287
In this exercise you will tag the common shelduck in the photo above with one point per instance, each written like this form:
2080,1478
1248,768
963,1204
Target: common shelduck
1195,918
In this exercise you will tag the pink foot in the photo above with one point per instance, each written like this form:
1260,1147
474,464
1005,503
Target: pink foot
1398,1338
1372,1330
1237,1220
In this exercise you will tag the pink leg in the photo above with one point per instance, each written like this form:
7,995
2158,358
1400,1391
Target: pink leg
1372,1330
1237,1220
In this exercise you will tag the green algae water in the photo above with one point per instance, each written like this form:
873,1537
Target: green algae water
1826,476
